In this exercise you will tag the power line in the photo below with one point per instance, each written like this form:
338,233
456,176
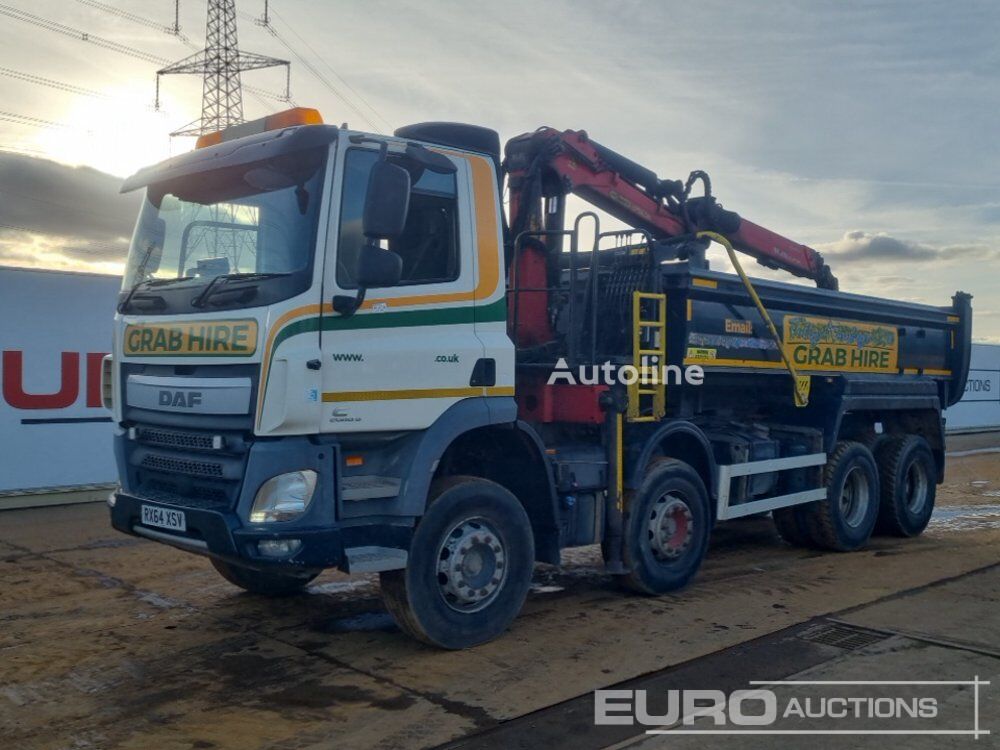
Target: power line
84,36
322,78
37,122
265,22
134,17
329,67
52,83
108,44
70,88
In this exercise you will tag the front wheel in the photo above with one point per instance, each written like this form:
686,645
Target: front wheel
667,523
262,582
469,569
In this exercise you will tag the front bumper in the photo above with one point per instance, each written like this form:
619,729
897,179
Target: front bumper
222,535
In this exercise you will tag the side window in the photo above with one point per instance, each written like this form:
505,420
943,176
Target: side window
429,242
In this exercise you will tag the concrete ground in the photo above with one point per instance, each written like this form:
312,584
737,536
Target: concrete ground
112,642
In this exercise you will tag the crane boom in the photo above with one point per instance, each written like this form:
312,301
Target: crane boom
549,163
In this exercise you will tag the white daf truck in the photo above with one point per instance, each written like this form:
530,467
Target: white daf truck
331,350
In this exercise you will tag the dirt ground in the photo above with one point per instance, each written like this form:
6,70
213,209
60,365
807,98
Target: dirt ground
107,641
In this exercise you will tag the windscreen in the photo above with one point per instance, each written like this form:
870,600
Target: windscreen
259,219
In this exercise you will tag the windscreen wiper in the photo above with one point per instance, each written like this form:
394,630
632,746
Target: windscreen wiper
147,284
222,280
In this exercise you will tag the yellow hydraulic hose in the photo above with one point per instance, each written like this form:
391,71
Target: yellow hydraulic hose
801,384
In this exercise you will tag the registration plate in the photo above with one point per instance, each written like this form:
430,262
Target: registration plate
165,518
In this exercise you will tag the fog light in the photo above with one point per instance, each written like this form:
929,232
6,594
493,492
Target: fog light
284,497
112,499
279,547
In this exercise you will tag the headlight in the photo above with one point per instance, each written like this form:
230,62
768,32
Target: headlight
284,497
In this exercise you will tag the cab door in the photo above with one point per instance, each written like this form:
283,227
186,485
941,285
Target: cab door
409,351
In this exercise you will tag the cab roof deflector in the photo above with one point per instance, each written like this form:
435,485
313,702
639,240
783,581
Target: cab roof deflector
263,146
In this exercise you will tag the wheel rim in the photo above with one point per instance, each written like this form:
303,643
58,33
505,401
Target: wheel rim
915,487
855,497
472,565
670,528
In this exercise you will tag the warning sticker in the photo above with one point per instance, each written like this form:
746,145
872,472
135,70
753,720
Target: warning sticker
700,353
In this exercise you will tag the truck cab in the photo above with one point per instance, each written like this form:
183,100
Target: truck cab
253,415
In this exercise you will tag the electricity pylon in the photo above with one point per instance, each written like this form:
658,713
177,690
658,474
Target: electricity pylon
220,64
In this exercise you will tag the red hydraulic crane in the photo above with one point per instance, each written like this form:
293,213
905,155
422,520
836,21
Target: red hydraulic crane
549,163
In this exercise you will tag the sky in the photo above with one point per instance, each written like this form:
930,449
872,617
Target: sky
865,129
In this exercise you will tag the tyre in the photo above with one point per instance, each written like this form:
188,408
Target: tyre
666,528
469,568
262,582
908,478
844,521
791,526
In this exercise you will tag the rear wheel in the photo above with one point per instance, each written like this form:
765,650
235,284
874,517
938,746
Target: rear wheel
262,582
907,472
469,568
667,525
844,521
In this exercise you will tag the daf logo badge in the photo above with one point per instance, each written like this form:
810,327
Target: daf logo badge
187,400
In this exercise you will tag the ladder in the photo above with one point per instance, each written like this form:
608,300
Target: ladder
647,396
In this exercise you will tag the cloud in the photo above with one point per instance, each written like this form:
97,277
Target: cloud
53,214
37,251
865,247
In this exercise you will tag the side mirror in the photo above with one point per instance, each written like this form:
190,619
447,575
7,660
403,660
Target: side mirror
378,267
387,202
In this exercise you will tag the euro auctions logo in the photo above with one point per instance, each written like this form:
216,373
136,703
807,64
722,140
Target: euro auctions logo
802,707
746,708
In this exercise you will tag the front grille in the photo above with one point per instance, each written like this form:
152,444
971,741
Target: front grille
175,439
202,498
179,466
200,492
174,465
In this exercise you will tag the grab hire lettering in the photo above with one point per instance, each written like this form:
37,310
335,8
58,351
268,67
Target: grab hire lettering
841,358
849,346
234,338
